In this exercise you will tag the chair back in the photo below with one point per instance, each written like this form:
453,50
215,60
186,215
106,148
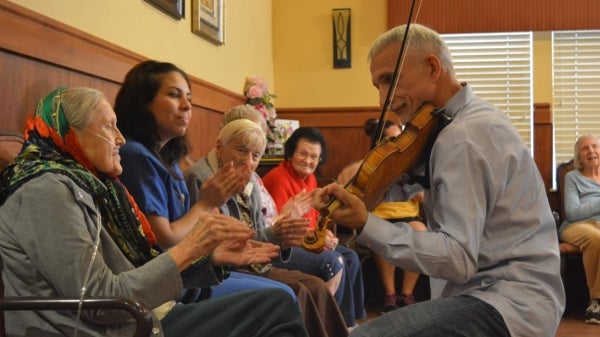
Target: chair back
561,172
10,146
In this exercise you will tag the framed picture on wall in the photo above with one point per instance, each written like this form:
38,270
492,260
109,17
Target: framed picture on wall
207,20
174,8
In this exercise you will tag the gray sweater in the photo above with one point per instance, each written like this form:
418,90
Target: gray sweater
47,232
203,169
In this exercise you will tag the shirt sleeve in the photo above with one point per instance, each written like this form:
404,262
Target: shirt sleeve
142,175
582,199
60,249
450,249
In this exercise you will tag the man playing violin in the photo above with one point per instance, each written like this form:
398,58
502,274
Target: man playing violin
491,249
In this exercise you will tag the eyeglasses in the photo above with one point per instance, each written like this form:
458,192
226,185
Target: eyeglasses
304,155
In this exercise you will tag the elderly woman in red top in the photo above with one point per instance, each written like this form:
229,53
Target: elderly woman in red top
304,152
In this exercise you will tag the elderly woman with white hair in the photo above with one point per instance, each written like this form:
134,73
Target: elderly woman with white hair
582,207
241,143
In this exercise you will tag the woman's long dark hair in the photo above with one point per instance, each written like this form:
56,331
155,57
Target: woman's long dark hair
135,120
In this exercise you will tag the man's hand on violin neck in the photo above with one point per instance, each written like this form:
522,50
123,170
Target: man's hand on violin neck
351,212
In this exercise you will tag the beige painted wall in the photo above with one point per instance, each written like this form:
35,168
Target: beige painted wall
542,67
287,42
302,33
303,47
139,27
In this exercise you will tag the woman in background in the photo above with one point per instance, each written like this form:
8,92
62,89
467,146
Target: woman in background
304,152
582,207
154,108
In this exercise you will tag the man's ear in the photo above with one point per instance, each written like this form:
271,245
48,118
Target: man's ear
434,65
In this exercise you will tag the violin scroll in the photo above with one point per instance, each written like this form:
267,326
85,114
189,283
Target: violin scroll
315,241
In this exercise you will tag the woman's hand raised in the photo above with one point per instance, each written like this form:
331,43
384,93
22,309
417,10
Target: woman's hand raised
227,182
290,231
238,253
212,231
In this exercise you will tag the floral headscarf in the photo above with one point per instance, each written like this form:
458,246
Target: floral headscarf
51,146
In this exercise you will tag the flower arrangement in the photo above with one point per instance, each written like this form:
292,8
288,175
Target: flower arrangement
258,95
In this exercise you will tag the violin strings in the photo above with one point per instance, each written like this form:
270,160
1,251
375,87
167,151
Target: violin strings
399,66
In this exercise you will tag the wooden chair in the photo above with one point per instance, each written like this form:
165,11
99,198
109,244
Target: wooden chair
10,146
571,262
561,171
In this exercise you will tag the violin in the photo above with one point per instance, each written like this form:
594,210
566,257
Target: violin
401,158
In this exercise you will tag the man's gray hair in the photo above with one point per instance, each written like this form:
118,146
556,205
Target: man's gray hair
422,39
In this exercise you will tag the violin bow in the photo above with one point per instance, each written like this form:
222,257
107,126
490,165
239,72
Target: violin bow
376,138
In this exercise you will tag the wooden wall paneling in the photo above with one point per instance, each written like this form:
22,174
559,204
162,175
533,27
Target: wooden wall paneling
339,117
543,131
26,80
37,54
470,16
204,128
345,146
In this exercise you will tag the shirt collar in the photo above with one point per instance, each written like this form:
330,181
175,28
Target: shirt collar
459,100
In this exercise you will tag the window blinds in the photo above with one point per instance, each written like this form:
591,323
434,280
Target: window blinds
498,66
576,88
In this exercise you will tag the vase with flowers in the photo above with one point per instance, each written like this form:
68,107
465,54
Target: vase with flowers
258,95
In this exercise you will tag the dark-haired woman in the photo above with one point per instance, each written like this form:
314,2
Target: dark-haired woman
154,108
304,152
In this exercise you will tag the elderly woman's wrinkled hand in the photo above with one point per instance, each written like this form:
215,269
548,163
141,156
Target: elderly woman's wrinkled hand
298,205
331,241
239,253
290,231
227,182
211,231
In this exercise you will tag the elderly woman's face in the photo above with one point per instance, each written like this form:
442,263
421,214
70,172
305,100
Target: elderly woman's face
101,140
239,153
589,152
306,158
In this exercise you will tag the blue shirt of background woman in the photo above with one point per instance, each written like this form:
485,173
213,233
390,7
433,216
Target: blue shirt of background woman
155,189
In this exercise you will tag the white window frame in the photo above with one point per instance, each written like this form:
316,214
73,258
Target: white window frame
575,89
499,68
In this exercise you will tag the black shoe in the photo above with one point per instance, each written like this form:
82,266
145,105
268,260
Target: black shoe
389,304
592,313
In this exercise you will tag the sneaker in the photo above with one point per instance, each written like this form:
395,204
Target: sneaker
592,313
405,300
350,328
389,304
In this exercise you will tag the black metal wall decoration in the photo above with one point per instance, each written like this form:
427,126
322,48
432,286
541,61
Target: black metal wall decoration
342,53
175,8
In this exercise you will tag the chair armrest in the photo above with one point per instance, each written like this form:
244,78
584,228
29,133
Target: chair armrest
141,314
